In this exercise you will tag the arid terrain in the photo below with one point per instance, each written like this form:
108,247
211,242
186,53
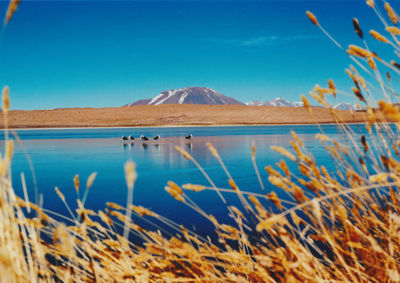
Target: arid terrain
173,115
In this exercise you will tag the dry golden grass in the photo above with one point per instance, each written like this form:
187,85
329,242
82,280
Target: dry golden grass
12,8
336,227
174,115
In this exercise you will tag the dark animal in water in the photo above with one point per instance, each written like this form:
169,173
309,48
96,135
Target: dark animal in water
124,138
156,138
131,138
188,137
144,138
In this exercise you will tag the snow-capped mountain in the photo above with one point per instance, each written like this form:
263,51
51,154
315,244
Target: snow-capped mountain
279,101
345,106
282,102
298,104
188,95
255,103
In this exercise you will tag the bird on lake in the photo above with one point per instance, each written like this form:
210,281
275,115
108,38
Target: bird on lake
131,138
124,138
144,138
157,138
188,137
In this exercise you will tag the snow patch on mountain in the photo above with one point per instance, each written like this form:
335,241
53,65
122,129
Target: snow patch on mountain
346,106
188,95
279,101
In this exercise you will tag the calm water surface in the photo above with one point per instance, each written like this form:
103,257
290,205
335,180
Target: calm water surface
57,155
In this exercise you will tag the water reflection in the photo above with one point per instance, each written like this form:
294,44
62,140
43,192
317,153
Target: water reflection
128,146
189,147
57,160
145,146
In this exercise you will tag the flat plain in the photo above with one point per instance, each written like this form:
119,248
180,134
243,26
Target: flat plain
175,115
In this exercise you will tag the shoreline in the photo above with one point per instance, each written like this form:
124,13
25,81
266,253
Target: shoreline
179,126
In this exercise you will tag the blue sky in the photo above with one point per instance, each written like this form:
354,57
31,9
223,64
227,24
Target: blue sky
108,53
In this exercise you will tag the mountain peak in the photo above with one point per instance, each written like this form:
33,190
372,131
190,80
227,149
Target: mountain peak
188,95
345,106
279,101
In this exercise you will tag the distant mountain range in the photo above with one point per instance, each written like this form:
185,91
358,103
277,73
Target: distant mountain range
345,106
188,95
282,102
208,96
279,101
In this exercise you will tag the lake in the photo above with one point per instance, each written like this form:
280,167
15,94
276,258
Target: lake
58,154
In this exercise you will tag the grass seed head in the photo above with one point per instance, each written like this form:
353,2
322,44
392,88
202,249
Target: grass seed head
357,28
237,212
394,63
378,36
276,182
306,104
60,194
143,211
253,150
130,173
283,166
195,188
332,86
316,209
233,185
391,13
272,196
269,222
6,99
115,206
76,182
312,18
183,153
358,51
175,191
297,138
393,30
91,179
378,178
12,8
371,63
389,110
213,150
323,138
284,152
388,76
358,94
